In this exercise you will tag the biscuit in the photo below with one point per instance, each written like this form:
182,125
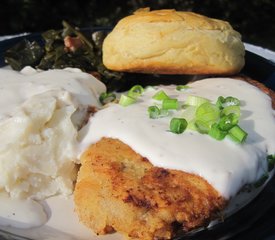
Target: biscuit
173,42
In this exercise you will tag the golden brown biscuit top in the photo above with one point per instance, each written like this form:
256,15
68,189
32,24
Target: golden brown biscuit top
189,19
173,42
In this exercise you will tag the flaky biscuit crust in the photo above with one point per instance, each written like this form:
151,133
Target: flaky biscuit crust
173,42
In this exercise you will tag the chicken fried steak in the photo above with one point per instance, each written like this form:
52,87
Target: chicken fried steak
119,190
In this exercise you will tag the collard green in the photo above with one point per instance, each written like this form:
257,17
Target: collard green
24,53
85,54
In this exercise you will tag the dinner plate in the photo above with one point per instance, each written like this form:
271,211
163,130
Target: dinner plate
257,219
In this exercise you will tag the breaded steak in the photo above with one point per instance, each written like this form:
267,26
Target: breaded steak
119,190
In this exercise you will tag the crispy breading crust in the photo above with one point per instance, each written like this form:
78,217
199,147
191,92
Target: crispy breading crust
119,190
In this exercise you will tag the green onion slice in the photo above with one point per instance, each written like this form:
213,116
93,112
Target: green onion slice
189,113
135,91
202,127
126,100
231,109
228,101
231,101
227,122
105,98
154,112
160,95
220,101
237,134
216,132
169,104
208,113
195,100
191,125
182,87
178,125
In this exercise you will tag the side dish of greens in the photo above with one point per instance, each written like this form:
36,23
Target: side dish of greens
68,47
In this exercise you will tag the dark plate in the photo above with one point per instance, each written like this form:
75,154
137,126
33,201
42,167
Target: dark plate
257,219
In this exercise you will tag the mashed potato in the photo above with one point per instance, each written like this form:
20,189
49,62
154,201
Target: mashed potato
38,140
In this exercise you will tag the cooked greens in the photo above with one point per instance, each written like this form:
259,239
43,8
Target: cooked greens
68,47
23,54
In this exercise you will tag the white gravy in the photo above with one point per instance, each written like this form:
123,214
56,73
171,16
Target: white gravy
17,87
21,213
224,164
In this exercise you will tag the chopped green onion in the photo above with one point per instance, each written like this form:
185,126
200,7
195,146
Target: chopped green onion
105,98
237,134
231,109
126,100
178,125
191,125
261,180
271,162
160,95
228,101
216,132
189,113
135,91
199,114
195,100
182,87
202,127
208,113
231,101
220,102
168,104
154,112
228,121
